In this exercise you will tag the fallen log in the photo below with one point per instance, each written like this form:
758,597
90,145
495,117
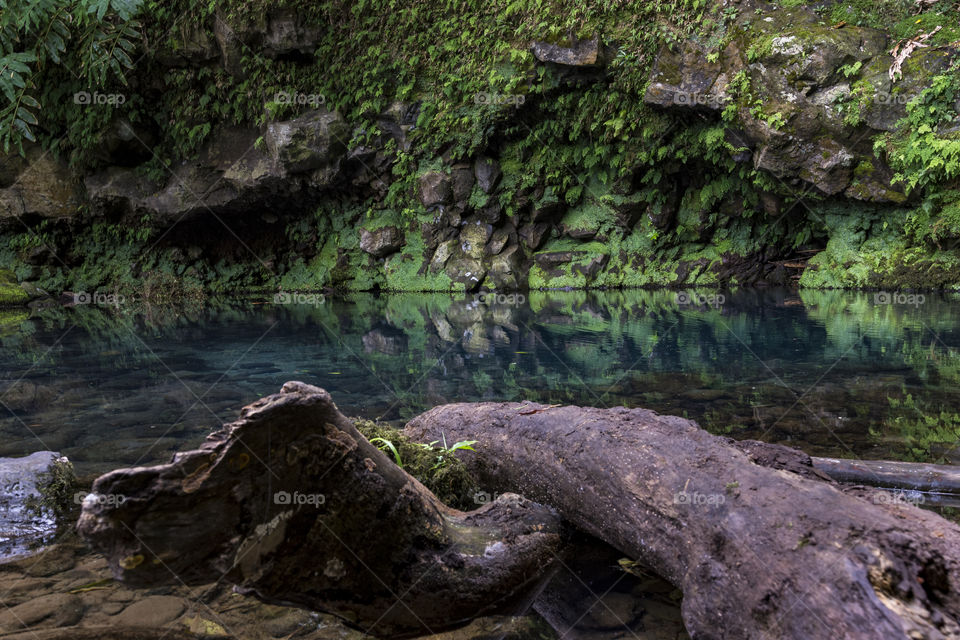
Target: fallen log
909,476
293,504
759,541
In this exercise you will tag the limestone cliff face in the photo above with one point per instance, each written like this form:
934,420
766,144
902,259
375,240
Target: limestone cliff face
800,100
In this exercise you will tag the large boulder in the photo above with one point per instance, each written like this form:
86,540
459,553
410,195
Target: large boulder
290,32
435,188
487,172
313,141
231,175
39,185
381,242
571,53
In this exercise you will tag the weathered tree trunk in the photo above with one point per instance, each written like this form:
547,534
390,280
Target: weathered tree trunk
761,544
294,505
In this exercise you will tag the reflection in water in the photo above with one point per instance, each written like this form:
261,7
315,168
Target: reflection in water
833,373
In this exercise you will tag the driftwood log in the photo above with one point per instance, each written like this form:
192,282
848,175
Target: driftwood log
761,543
293,505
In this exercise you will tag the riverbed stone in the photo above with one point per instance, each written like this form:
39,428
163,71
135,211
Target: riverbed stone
53,561
153,611
47,611
614,611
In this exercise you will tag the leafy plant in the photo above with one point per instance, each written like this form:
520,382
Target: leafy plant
93,39
445,453
386,445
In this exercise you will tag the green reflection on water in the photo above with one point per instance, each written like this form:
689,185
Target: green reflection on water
833,373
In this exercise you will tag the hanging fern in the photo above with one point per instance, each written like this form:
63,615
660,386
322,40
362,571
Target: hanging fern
34,34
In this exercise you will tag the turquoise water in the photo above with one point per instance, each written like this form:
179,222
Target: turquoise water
833,373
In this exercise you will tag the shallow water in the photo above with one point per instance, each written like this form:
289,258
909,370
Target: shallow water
833,373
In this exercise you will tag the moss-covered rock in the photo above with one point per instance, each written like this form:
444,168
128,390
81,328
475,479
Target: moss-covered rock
11,293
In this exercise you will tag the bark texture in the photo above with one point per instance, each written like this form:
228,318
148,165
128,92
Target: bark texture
762,544
293,504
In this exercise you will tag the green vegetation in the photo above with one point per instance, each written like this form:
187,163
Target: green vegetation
436,467
45,40
921,426
57,488
580,144
11,293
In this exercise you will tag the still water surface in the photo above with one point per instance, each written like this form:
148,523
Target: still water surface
833,373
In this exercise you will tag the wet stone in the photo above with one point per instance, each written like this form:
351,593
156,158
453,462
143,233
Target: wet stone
154,611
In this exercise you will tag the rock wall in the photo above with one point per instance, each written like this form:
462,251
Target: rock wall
783,86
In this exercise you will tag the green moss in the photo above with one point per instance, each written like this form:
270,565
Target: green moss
590,216
447,479
301,276
408,270
11,320
12,294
